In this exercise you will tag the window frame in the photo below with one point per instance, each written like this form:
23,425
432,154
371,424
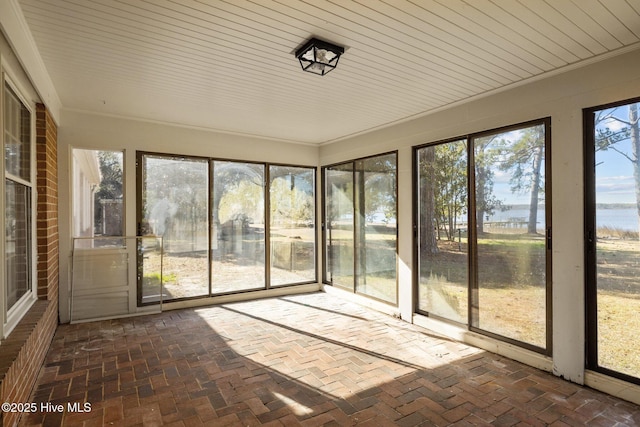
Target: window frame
472,256
590,238
12,316
73,190
416,227
353,288
140,154
268,255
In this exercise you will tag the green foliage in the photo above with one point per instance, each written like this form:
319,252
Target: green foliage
524,157
606,138
111,181
290,203
450,181
153,279
241,200
485,155
111,175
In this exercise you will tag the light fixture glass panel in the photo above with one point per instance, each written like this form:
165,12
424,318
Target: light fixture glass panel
325,56
309,55
318,68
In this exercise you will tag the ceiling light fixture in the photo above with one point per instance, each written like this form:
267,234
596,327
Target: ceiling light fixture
319,57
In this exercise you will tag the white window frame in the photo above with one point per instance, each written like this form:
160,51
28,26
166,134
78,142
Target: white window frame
11,317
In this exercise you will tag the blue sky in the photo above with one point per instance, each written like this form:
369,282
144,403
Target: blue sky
614,173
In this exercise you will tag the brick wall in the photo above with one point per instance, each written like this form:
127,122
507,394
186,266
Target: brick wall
47,219
23,352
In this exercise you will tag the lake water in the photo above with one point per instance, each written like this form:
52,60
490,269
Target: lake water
623,219
617,218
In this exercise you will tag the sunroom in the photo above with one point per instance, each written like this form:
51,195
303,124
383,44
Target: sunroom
471,169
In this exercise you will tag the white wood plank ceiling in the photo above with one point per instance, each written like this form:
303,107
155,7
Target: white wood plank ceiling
229,65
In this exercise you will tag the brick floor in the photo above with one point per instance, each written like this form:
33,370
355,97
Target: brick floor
306,360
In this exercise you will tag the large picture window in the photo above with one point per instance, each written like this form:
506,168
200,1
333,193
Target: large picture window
360,236
292,224
612,174
220,222
18,214
483,234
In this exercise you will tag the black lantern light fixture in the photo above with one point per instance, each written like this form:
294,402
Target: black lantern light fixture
319,57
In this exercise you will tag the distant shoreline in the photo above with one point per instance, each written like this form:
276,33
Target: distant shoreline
598,206
615,205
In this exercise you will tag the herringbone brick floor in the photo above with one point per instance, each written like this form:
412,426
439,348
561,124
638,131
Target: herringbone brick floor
305,360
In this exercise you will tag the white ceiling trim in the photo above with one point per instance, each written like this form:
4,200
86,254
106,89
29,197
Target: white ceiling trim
15,28
186,126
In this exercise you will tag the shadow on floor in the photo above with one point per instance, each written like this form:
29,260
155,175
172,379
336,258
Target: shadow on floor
298,360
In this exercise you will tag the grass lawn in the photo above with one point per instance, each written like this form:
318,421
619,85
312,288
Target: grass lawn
511,294
618,326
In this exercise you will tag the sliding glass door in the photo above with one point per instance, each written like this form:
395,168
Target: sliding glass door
238,219
442,228
339,220
360,226
510,291
612,172
483,233
376,236
174,205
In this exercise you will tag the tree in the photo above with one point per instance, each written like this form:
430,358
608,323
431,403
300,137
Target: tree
607,139
450,177
428,241
524,158
486,202
443,192
291,198
110,187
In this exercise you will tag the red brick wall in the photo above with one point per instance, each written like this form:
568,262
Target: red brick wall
47,220
22,353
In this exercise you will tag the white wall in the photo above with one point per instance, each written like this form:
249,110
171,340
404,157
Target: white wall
561,97
90,131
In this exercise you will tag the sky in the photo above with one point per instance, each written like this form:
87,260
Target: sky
614,173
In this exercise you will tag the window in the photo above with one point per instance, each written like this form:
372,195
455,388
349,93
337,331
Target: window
97,194
483,234
220,221
19,251
292,224
360,237
612,247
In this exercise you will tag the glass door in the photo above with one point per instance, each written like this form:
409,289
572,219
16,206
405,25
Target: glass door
174,206
612,174
339,218
238,215
511,292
